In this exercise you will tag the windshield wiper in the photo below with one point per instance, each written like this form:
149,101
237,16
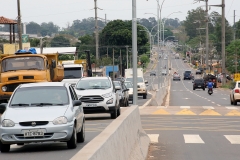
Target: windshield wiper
80,88
41,104
20,104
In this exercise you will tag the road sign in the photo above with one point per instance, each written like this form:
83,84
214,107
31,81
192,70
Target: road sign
25,38
237,77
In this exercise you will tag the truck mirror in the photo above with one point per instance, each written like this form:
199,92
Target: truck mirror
53,63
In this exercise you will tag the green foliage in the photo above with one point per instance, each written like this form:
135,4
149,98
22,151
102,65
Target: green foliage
66,57
144,59
60,41
233,55
34,42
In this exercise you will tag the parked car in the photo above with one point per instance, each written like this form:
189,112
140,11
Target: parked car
235,93
199,83
129,86
176,76
40,112
98,95
153,73
120,79
187,75
122,92
199,71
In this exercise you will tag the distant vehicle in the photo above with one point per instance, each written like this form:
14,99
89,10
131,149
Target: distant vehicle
212,77
177,56
122,92
198,71
198,83
120,79
185,61
49,112
153,73
235,93
176,76
129,86
165,58
187,75
164,72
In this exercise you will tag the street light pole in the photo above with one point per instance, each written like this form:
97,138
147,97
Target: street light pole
223,42
207,39
19,25
134,50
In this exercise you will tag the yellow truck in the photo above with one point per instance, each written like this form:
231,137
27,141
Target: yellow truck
26,67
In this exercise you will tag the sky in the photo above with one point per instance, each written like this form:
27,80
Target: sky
63,12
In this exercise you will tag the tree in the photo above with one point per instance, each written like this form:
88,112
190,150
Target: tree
233,55
60,41
33,28
34,42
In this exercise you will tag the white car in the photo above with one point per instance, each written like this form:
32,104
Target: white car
42,112
235,93
164,72
129,85
98,95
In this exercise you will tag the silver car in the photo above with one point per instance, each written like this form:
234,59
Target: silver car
40,112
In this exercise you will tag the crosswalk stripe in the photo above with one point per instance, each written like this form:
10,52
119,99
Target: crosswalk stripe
192,138
208,107
231,107
153,138
233,139
184,107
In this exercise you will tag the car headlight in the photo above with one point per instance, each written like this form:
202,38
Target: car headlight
107,95
142,86
4,88
60,120
8,123
110,101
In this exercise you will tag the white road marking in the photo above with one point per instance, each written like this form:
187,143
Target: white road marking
186,98
233,139
231,107
153,138
192,138
208,107
183,107
224,98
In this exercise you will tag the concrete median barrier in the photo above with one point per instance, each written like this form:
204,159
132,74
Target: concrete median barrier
123,139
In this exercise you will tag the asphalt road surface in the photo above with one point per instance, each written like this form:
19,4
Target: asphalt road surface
95,123
194,125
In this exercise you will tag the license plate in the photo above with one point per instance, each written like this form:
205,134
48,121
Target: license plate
199,86
33,133
91,105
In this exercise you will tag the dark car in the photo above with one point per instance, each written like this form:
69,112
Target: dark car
153,73
213,79
199,83
199,71
187,75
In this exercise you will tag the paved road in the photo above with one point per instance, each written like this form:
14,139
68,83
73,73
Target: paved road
195,125
95,123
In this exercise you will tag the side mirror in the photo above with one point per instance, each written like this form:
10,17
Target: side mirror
3,107
118,88
126,89
76,103
53,64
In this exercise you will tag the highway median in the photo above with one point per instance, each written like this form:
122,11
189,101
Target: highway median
123,139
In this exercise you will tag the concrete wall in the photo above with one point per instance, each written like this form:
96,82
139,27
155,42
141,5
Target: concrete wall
123,139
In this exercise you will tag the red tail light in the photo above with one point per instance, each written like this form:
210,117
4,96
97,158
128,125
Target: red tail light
214,80
236,90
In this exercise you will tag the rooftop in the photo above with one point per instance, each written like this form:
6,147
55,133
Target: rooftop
4,20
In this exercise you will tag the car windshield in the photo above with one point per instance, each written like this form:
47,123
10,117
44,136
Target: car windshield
22,63
128,85
139,80
40,96
93,84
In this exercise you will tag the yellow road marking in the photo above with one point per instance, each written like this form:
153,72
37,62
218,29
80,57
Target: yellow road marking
161,111
185,112
233,113
210,112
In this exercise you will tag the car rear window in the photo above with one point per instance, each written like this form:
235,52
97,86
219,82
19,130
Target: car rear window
199,80
188,72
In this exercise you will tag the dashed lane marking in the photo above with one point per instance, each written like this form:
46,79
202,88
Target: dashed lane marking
192,138
233,139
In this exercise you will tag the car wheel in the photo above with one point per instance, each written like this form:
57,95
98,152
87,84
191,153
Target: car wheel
127,103
234,102
144,96
231,101
193,88
72,143
114,114
203,88
20,144
81,135
4,147
118,111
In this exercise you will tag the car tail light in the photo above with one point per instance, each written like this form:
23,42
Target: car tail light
236,90
214,80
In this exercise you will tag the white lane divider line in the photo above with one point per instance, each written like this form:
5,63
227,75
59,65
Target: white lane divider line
231,107
233,139
153,138
185,107
208,107
192,138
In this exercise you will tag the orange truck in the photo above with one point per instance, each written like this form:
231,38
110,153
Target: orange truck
26,67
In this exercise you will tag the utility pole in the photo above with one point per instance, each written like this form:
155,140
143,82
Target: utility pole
234,38
207,39
120,62
105,19
113,66
19,25
223,43
127,55
96,29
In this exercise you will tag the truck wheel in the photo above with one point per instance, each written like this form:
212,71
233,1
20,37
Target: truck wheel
145,96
